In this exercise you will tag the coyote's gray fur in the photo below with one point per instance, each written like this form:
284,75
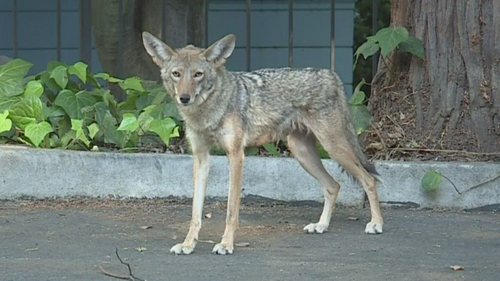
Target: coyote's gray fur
239,109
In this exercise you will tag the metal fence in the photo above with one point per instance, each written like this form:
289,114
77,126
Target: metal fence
85,45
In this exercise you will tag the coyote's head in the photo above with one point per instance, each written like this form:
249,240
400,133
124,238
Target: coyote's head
189,73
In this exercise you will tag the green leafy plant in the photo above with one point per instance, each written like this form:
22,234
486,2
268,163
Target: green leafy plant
387,40
384,41
66,106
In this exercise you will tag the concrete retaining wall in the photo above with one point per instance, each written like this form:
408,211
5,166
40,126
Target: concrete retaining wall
55,173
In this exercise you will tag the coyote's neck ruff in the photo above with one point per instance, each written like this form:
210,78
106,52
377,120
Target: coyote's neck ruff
240,109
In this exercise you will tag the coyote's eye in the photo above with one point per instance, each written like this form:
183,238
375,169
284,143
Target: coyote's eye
176,74
198,74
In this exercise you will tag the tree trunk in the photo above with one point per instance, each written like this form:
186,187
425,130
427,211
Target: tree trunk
184,21
450,100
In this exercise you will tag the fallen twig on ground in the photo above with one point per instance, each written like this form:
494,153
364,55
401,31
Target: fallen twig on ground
130,276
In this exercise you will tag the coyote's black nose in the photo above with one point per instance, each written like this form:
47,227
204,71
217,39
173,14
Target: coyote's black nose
185,98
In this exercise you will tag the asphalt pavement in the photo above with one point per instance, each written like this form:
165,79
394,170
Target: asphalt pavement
71,239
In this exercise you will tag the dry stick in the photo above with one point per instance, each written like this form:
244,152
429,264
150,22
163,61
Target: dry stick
446,151
460,193
482,183
130,276
381,140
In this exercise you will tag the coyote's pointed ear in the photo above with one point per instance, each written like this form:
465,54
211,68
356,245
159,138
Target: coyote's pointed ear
158,50
220,50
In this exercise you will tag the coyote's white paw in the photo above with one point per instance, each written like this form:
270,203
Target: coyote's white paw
316,228
373,228
220,249
180,249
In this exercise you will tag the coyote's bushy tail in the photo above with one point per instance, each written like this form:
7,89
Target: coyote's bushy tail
353,140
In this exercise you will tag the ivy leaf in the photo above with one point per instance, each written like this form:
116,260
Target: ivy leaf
361,118
367,49
390,37
5,123
93,130
132,83
34,88
60,75
358,97
27,111
77,126
11,87
8,102
271,148
413,46
163,128
16,68
36,132
144,121
73,103
80,70
129,123
431,181
252,150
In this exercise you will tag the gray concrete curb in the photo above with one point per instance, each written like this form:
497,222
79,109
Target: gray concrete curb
55,173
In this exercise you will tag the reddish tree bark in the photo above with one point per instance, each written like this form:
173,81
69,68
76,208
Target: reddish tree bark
450,100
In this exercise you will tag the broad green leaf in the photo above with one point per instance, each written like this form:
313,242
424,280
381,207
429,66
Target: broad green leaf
8,102
47,81
107,126
361,118
77,126
16,68
132,83
53,64
129,123
322,151
102,75
107,77
390,37
52,111
5,123
413,46
431,181
271,148
163,128
80,70
144,122
108,98
358,96
36,132
93,130
367,49
73,103
60,75
27,111
252,150
175,133
34,88
11,87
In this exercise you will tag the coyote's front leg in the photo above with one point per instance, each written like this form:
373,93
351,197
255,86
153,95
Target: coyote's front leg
201,166
236,157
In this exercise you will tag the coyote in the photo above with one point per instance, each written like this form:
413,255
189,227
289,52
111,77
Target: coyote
239,109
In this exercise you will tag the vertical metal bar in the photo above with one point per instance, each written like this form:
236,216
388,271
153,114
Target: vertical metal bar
290,33
206,4
14,24
120,38
374,29
85,33
248,47
332,35
163,20
58,16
